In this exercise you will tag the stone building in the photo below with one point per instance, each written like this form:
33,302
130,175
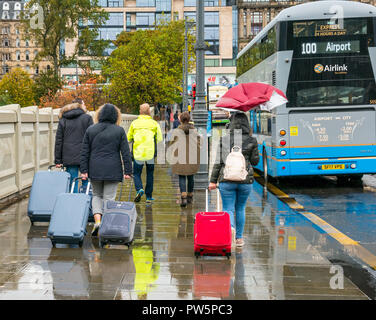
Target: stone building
14,50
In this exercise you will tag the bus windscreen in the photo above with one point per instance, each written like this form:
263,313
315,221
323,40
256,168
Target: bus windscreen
331,63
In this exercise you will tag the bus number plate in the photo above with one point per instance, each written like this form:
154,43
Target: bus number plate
333,167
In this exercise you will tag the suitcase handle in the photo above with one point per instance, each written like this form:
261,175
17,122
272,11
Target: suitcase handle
130,189
53,166
74,183
207,200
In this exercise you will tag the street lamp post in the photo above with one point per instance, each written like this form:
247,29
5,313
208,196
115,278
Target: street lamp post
187,26
200,114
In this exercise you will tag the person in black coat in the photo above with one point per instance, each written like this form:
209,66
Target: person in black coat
69,135
105,158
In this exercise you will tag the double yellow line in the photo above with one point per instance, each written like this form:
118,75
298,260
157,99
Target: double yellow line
351,246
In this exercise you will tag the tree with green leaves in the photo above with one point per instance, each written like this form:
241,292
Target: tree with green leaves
16,87
147,66
51,22
46,83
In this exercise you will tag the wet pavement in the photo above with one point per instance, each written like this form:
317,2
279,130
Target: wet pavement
284,257
350,208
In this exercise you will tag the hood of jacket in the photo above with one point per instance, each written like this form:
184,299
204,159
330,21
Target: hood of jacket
239,121
108,114
186,127
71,111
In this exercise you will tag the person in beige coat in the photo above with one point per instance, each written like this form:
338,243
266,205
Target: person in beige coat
184,153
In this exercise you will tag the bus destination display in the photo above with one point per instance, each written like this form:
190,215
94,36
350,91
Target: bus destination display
330,47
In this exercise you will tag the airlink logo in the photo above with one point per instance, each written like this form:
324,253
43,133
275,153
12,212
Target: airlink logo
337,69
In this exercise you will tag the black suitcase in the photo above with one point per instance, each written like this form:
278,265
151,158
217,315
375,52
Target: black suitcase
118,221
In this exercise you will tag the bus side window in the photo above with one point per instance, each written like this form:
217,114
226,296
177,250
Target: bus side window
252,118
266,123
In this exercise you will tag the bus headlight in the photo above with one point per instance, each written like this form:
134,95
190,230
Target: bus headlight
283,153
353,166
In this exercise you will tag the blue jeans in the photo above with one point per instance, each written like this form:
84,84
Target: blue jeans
137,171
183,183
234,198
73,171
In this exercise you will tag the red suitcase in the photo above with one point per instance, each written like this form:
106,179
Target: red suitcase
212,232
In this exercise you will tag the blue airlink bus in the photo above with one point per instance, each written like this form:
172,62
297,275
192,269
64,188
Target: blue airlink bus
323,56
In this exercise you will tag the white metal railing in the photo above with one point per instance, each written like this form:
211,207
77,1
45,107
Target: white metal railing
27,139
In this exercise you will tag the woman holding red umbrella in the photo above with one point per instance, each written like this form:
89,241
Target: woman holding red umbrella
235,193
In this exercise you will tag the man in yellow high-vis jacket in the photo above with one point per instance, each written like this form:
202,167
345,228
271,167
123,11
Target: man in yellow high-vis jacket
145,133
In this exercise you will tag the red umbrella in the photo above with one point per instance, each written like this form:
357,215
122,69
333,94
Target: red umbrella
246,96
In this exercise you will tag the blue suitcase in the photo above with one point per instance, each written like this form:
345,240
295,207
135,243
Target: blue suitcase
46,186
69,217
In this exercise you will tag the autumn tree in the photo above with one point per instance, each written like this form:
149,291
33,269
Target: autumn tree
17,87
52,22
147,66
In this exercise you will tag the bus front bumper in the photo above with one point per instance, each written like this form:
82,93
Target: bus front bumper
327,167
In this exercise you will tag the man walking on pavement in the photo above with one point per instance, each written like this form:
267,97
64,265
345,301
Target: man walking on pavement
145,133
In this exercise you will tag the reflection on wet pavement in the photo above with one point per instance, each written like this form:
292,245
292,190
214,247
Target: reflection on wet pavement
349,208
284,257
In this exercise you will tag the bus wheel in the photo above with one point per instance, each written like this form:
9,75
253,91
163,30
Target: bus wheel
342,180
265,166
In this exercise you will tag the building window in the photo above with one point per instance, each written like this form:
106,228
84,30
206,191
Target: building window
145,3
176,16
6,43
18,55
26,43
5,6
111,3
6,57
256,23
145,19
163,5
27,55
207,3
115,19
211,62
18,42
17,6
228,62
37,70
6,69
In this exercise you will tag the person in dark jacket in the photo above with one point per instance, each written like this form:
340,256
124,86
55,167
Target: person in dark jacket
235,194
187,160
69,135
103,144
176,122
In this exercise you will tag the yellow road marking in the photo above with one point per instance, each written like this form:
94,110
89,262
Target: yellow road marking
351,246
